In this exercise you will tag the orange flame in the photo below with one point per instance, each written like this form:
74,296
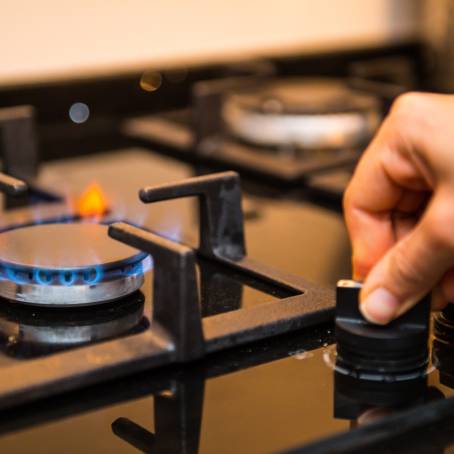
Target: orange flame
92,202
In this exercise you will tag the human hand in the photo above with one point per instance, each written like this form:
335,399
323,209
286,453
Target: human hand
399,208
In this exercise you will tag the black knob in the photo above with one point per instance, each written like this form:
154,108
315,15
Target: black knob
401,347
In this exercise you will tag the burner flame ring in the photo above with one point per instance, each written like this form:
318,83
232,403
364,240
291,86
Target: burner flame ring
43,277
68,294
113,271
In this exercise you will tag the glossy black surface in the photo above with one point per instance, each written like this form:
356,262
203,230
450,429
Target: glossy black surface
265,397
227,292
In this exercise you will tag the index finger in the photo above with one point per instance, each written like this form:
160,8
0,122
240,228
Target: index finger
378,185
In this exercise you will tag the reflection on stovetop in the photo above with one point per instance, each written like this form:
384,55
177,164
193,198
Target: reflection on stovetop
265,397
175,410
224,290
30,331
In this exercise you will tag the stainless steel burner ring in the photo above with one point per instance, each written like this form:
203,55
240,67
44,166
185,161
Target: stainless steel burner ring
307,114
73,264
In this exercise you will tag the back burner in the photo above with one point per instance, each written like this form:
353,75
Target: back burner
303,114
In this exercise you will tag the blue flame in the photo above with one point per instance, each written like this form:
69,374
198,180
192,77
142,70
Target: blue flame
67,277
42,277
13,275
93,275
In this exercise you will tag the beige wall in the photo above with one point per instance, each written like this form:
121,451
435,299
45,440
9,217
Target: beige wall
57,38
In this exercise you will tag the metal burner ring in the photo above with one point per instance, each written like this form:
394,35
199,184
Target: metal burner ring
76,295
67,265
306,114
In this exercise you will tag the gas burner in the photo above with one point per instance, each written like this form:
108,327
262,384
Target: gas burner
308,114
67,265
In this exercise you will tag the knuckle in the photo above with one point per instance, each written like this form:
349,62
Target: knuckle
408,117
408,104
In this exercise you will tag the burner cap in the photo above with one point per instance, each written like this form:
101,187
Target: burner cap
67,265
304,113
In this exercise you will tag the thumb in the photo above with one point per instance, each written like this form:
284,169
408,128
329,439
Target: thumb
409,270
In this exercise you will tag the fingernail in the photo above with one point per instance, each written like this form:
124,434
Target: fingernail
380,306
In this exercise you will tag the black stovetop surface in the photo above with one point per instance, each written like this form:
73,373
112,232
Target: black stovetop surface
266,397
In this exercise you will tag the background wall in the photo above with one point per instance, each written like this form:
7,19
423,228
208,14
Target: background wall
58,38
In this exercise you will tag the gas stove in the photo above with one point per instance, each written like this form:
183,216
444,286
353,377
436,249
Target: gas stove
169,250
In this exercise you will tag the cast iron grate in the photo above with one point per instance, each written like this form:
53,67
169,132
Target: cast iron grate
177,332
